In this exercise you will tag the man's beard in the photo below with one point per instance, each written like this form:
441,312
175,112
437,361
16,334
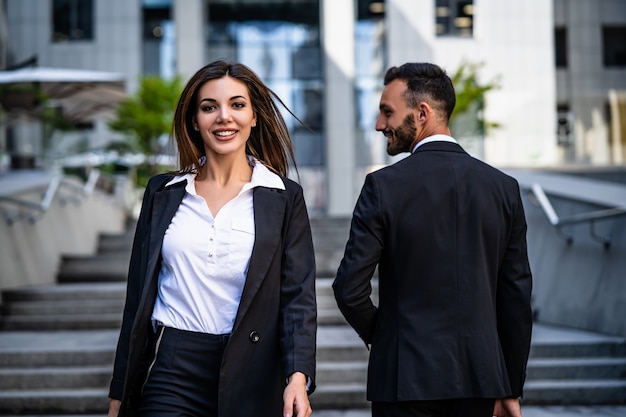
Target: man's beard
402,137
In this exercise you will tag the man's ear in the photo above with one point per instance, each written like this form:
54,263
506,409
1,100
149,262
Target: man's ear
423,111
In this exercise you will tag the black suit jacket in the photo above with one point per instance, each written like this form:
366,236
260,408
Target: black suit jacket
275,326
448,234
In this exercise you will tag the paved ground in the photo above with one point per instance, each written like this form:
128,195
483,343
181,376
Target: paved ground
554,411
569,411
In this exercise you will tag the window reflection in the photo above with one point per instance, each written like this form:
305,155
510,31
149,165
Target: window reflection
72,20
454,17
281,43
370,68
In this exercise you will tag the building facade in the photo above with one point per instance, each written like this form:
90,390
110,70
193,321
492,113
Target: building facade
559,67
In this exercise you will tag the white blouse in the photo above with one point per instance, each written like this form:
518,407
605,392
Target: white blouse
206,258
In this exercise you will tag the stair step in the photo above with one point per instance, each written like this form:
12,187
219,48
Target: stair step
62,322
67,292
330,317
572,349
337,372
109,274
104,356
59,377
580,392
577,368
70,401
83,306
339,396
115,243
57,348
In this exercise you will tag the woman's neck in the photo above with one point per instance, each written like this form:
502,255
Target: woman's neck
223,170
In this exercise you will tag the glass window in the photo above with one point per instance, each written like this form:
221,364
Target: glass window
560,47
564,124
158,39
454,17
280,42
72,20
614,47
370,71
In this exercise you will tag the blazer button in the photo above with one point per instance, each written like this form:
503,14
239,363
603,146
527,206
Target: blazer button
254,336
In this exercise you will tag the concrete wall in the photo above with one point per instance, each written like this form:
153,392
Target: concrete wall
580,284
30,252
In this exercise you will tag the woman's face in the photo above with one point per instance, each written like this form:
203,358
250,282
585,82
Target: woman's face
224,116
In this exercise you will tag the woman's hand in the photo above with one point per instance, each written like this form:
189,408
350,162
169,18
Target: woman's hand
295,397
114,408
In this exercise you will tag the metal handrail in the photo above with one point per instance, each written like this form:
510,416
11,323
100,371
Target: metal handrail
589,217
32,211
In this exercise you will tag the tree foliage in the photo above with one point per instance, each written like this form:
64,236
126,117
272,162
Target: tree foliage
143,118
147,115
470,96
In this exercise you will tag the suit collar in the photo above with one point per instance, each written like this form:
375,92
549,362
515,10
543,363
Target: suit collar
439,146
434,138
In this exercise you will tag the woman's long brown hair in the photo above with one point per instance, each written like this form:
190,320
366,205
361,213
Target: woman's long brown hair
269,141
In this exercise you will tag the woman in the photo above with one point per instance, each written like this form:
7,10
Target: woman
220,314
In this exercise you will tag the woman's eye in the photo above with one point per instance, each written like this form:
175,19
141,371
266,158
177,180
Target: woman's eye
239,105
207,108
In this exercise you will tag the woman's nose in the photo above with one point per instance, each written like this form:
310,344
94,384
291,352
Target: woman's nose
224,114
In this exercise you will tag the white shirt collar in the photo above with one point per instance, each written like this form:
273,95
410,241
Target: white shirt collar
434,138
261,177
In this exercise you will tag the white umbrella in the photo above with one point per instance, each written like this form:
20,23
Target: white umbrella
80,93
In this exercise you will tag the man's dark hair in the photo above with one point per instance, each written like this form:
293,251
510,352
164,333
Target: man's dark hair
425,82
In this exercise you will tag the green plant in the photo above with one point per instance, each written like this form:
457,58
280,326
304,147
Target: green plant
470,99
147,115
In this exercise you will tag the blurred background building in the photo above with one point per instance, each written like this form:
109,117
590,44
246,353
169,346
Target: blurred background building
560,67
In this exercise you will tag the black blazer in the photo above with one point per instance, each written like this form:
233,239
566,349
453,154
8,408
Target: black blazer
448,234
275,327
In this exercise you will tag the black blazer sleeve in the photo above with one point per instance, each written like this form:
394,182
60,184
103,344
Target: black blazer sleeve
298,307
352,286
136,272
513,302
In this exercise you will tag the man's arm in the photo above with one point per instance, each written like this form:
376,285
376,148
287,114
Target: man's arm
513,302
352,286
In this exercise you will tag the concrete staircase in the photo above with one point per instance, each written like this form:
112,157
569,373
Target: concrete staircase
569,366
57,345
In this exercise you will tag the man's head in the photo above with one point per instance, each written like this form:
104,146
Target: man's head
417,102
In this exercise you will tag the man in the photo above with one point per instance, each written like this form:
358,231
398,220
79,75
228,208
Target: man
451,333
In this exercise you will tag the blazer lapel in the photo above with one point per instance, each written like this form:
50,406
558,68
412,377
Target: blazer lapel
269,213
166,203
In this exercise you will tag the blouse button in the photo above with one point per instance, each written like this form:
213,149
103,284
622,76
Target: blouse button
210,255
254,336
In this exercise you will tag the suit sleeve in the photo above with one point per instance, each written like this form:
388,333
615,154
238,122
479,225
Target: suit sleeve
298,314
352,285
133,292
514,302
